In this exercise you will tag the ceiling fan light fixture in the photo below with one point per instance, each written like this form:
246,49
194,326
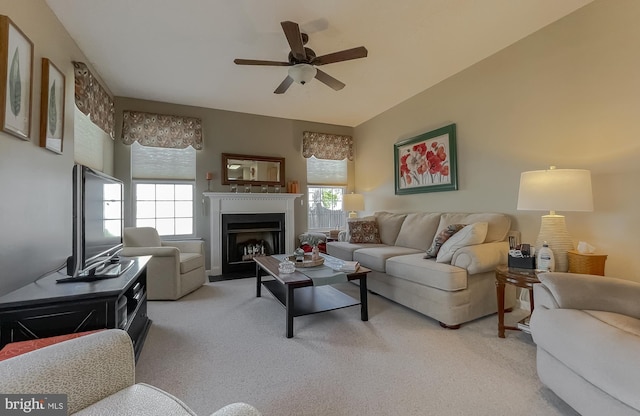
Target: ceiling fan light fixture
302,73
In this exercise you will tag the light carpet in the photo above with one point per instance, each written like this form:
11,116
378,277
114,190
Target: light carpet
221,344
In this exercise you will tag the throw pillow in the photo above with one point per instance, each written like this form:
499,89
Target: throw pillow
441,238
470,235
364,231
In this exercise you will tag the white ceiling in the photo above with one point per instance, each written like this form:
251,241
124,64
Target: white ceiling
182,51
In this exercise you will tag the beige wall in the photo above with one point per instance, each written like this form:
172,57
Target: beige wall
35,184
230,132
567,95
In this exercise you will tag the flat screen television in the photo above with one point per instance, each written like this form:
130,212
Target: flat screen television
98,224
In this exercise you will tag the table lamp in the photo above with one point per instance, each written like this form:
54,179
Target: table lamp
352,203
555,190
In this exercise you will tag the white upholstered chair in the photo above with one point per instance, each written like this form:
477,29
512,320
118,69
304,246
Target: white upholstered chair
176,268
97,373
587,332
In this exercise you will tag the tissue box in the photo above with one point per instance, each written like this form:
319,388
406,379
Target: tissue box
586,263
528,262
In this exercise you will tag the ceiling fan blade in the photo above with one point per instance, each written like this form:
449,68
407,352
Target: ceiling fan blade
284,86
346,55
329,80
259,62
294,37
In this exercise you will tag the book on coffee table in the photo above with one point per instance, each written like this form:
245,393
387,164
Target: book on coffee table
349,266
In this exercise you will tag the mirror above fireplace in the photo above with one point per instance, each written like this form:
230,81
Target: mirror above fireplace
256,170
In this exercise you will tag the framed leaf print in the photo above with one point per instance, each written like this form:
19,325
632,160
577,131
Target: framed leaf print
426,163
51,107
16,74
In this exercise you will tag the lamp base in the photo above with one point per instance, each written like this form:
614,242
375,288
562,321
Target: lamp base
553,230
353,214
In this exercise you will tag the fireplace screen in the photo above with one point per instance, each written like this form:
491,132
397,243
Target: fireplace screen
245,236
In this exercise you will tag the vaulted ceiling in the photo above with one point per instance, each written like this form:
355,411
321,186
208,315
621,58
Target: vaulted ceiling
182,51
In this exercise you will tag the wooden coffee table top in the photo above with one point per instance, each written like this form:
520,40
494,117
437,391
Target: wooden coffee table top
270,264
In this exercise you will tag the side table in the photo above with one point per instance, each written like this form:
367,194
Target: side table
522,278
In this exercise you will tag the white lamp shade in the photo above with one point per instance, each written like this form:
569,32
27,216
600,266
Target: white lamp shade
302,73
353,202
555,190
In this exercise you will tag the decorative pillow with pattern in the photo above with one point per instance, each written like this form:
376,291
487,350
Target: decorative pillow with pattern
440,239
364,231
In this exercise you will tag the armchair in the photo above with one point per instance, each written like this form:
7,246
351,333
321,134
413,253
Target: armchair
97,373
176,268
587,331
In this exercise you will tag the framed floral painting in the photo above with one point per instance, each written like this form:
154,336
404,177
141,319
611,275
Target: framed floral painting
427,162
16,73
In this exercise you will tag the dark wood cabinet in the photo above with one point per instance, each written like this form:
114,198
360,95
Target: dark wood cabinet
46,308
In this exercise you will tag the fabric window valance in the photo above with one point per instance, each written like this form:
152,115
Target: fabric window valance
92,99
327,146
160,130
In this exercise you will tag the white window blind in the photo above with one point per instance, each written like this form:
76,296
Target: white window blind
162,163
326,172
92,146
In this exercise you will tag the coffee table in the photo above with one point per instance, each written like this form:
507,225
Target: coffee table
296,292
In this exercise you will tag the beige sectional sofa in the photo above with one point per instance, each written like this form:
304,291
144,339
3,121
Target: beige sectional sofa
451,292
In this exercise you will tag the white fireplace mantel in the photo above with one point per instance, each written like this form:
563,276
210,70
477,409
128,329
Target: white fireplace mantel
248,203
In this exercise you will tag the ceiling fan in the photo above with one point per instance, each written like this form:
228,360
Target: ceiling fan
303,61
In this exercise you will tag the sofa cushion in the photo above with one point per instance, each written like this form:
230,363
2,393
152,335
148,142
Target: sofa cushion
344,250
623,322
364,231
376,257
418,230
190,261
441,238
139,399
415,268
389,225
470,235
498,229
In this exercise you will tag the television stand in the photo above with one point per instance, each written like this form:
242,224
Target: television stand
109,271
45,308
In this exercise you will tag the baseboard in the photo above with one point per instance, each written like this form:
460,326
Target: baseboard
232,276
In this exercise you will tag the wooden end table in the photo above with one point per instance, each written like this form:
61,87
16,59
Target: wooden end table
522,278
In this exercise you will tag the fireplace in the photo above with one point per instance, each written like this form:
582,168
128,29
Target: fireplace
245,236
222,204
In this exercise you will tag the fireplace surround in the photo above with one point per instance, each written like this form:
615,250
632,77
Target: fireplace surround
225,203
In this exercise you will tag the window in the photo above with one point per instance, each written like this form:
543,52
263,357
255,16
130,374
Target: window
163,188
326,184
165,206
325,208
